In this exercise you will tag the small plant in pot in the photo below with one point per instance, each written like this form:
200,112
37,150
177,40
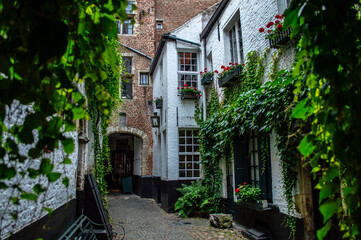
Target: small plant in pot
189,92
246,192
158,102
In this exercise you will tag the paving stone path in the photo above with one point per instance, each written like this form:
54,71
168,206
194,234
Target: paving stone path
144,219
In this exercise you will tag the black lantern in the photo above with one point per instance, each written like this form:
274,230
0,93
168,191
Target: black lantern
155,120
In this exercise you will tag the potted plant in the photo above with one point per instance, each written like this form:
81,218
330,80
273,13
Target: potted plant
250,197
229,74
206,77
276,34
158,102
189,92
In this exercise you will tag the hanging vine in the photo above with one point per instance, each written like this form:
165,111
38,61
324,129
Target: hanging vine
248,105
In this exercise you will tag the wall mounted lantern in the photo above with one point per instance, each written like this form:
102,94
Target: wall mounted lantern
155,120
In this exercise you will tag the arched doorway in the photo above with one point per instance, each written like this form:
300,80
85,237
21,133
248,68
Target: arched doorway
125,158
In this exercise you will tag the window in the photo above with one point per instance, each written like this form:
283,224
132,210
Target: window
159,26
127,27
249,152
127,64
187,69
122,120
283,5
129,7
234,45
144,79
127,89
189,162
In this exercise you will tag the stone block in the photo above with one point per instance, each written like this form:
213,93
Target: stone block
221,220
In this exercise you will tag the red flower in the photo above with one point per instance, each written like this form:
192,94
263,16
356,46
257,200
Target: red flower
242,64
200,95
261,30
185,85
200,72
194,88
177,87
270,24
182,87
236,64
216,71
268,31
277,21
281,16
205,69
277,16
227,68
230,63
223,67
279,27
244,183
237,190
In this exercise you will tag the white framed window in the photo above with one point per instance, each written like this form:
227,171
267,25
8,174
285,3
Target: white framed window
254,160
126,27
234,43
189,160
159,26
129,8
188,69
144,79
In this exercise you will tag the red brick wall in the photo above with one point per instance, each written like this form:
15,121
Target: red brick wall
176,12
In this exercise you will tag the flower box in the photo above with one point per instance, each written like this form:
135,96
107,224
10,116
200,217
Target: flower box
257,205
230,76
189,95
158,105
206,79
279,38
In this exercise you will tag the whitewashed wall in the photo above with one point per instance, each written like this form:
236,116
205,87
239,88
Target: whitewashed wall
253,15
55,196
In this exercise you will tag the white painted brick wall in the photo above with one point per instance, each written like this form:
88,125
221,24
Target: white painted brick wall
56,194
253,15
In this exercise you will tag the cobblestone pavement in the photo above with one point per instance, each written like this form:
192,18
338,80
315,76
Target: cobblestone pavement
144,219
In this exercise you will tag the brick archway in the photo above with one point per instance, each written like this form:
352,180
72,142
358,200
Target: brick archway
145,142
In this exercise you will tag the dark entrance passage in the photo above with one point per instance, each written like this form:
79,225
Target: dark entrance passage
122,160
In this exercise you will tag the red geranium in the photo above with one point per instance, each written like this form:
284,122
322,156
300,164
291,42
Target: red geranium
270,24
261,30
268,31
185,85
216,71
177,87
236,64
277,21
223,67
279,27
237,190
277,16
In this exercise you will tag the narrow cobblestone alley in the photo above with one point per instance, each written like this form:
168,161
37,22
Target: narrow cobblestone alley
144,219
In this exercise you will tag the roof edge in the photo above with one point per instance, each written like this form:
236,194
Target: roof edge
213,19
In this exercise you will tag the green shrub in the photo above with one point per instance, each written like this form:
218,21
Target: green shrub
247,192
196,200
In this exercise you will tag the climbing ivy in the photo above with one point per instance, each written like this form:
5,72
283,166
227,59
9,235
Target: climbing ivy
329,97
48,51
248,105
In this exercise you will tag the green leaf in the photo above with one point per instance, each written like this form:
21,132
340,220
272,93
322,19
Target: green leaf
52,177
68,144
29,196
291,18
3,186
302,109
46,166
328,209
321,233
49,210
14,215
66,181
78,113
66,161
38,189
7,172
307,146
15,200
33,173
331,173
327,190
